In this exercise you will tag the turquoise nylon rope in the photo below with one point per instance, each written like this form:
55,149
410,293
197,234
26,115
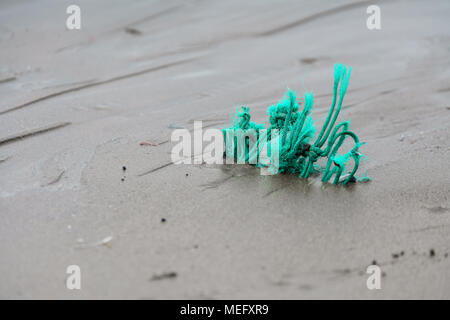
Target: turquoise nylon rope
297,154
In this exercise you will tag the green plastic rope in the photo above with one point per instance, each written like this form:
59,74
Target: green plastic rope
297,154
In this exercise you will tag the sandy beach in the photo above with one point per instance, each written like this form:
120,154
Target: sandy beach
76,105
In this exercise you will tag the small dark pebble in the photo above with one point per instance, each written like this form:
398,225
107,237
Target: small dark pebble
187,174
123,179
124,168
196,246
308,60
166,275
163,220
374,262
432,253
133,31
446,255
398,255
383,274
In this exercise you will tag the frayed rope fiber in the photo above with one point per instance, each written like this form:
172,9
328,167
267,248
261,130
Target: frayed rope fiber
295,129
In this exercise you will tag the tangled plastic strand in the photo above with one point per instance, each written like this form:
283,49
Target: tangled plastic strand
297,154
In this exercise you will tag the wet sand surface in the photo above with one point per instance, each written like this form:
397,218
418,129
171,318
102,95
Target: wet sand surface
75,106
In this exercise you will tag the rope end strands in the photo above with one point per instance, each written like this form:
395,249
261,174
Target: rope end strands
299,147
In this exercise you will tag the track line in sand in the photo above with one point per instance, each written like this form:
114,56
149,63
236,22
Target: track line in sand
313,17
32,132
98,83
